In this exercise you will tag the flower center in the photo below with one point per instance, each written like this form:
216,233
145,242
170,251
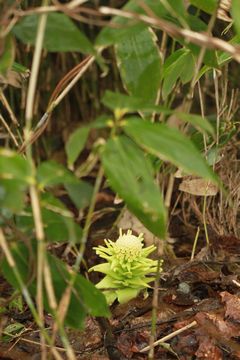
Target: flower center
128,244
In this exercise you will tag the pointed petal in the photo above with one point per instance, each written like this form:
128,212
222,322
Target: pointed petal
125,295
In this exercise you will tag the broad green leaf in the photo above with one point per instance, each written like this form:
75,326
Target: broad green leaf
236,14
78,138
58,221
178,65
128,104
61,33
12,194
58,227
188,69
7,54
122,27
178,7
85,297
201,123
130,174
50,173
80,194
14,166
208,6
140,64
75,144
169,144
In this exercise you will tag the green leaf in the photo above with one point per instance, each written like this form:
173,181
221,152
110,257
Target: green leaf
85,297
7,54
208,6
51,173
58,227
12,194
19,68
61,34
236,14
14,166
140,64
12,330
178,65
15,176
169,144
75,144
80,194
197,25
201,123
123,28
58,221
178,7
130,174
129,104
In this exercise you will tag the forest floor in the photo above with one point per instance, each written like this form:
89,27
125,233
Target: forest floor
198,307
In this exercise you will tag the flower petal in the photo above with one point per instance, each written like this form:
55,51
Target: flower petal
125,295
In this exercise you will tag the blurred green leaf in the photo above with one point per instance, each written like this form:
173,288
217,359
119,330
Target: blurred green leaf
7,54
19,68
169,144
14,166
58,227
51,173
178,65
61,33
201,123
12,194
132,104
179,7
76,143
15,176
140,64
80,194
58,221
236,14
114,101
85,298
12,330
130,174
197,25
122,27
208,6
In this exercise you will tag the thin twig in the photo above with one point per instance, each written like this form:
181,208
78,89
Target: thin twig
9,131
197,38
8,108
170,336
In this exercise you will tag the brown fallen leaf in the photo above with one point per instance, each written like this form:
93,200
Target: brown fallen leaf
232,304
218,327
208,350
198,187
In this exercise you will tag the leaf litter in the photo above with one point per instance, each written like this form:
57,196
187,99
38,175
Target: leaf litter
198,313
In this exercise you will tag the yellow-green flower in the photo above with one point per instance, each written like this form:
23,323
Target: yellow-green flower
127,268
